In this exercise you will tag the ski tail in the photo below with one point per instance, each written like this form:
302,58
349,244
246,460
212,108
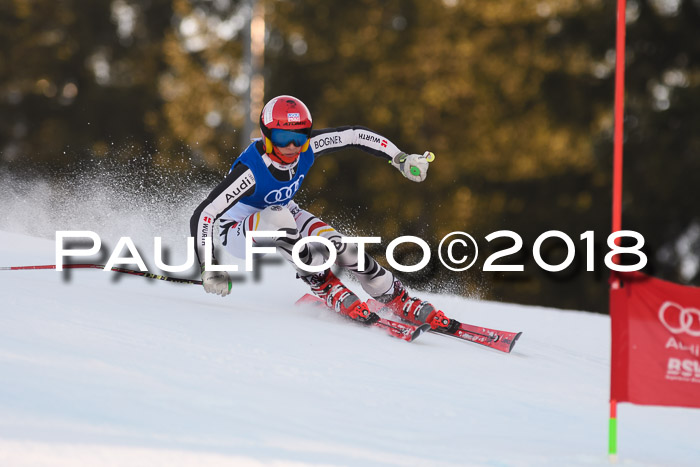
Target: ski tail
403,331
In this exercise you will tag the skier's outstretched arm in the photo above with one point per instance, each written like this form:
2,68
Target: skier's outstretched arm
238,184
412,166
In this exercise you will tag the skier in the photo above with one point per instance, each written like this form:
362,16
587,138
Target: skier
257,195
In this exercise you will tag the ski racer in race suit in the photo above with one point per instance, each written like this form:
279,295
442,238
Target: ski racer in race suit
257,195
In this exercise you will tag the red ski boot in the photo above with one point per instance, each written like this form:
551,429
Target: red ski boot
339,298
417,311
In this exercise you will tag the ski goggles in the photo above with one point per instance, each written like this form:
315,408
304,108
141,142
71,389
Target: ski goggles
282,138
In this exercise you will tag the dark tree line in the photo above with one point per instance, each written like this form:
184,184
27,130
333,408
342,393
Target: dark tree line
514,97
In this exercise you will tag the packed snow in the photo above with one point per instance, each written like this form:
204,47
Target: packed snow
101,368
109,369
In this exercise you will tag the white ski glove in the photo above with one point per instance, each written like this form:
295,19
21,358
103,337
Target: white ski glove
217,282
413,166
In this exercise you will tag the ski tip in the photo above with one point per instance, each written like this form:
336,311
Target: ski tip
419,330
515,339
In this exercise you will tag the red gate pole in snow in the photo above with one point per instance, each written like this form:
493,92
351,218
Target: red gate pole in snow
619,117
617,179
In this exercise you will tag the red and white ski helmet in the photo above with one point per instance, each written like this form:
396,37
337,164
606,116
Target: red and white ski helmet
284,113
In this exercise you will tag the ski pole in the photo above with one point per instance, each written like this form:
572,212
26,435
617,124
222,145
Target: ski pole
133,272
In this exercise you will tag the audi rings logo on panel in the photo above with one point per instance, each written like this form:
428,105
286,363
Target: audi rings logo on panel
679,320
285,193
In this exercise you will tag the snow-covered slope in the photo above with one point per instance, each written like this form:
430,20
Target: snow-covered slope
110,369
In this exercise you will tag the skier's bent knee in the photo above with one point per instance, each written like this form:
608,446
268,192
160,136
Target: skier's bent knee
276,218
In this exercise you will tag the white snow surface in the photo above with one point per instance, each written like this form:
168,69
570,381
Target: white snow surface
107,369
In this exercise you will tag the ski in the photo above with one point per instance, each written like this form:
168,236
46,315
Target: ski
503,341
495,339
407,332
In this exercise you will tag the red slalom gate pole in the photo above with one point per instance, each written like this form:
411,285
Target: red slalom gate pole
618,138
612,432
